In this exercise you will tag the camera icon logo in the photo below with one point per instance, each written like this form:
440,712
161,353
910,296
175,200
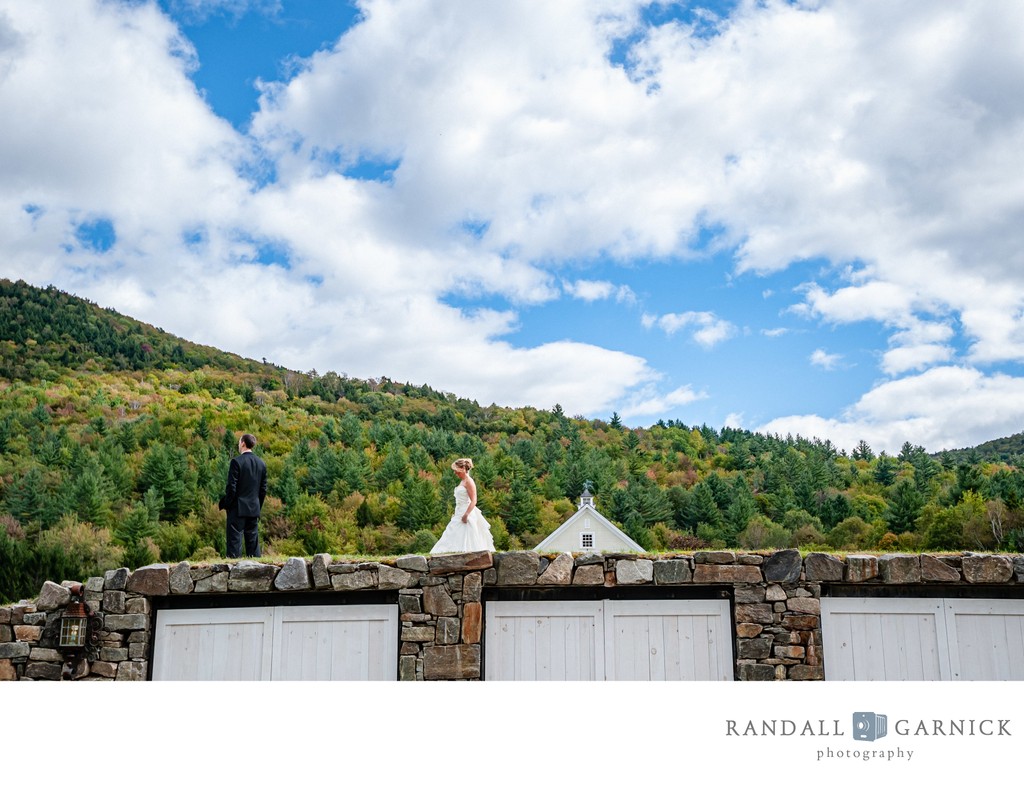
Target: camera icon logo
869,726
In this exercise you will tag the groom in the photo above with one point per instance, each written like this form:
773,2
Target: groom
243,497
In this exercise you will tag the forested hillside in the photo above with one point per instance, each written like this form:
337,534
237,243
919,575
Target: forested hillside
115,439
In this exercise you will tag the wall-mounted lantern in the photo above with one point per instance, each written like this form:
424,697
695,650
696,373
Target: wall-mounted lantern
75,631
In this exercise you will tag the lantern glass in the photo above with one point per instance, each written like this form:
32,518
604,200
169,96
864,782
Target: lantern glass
73,631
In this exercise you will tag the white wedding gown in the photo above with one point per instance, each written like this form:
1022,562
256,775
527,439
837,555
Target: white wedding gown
474,535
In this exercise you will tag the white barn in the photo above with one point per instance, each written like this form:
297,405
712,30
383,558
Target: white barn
587,530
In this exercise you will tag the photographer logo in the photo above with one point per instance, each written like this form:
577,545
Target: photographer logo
869,726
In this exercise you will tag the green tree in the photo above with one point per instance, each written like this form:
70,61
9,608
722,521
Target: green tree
703,509
885,470
165,470
862,452
286,484
945,532
395,466
135,532
635,529
850,533
905,504
324,471
742,506
27,498
89,494
420,507
833,508
520,509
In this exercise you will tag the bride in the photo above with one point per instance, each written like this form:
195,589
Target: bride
468,530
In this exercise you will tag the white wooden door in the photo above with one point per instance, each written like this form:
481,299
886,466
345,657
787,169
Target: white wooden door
277,643
213,644
608,640
314,643
986,638
668,640
544,640
923,638
884,639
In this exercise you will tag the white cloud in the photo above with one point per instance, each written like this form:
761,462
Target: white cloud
709,329
880,140
146,153
591,291
875,300
915,358
647,402
943,408
826,360
734,420
199,10
774,332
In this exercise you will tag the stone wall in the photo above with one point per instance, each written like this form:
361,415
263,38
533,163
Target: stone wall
777,602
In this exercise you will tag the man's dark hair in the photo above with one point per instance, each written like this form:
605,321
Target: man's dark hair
249,441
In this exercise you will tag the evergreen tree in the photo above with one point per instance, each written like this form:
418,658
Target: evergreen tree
520,509
574,471
905,504
365,515
862,452
885,469
635,529
652,504
27,498
719,489
703,509
286,485
834,507
394,467
135,527
324,471
350,430
969,477
203,428
741,508
6,433
739,456
679,499
165,470
420,506
89,495
127,438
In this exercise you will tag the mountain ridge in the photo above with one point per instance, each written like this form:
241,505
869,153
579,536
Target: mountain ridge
115,438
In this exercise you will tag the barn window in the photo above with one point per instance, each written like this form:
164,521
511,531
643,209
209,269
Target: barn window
587,540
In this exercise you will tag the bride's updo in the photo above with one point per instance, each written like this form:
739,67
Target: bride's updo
463,463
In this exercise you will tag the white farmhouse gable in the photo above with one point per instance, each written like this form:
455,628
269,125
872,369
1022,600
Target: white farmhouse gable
586,530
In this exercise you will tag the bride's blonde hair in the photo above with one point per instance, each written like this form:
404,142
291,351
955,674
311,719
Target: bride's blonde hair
463,463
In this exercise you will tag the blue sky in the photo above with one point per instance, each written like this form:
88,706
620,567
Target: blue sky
796,217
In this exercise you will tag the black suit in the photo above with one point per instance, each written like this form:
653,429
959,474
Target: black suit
243,498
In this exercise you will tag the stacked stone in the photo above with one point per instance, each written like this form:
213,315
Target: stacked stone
777,602
442,617
27,640
122,651
778,630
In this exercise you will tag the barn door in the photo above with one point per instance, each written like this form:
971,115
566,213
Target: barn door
213,644
884,639
353,642
318,643
668,640
608,640
986,638
544,640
